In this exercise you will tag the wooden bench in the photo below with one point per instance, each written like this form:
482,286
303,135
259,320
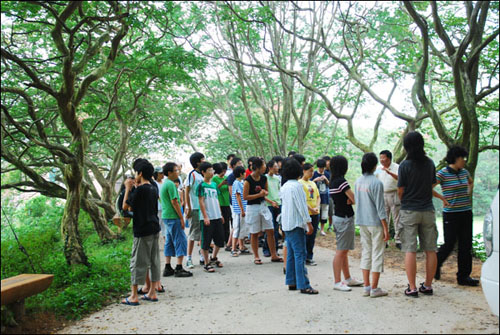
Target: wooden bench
121,222
16,289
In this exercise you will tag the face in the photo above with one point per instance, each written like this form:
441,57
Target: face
222,173
384,160
262,169
328,165
138,177
160,177
174,174
321,169
209,173
274,169
308,173
240,163
460,162
280,164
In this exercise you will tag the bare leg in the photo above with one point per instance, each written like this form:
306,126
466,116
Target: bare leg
430,267
233,246
285,252
168,259
190,248
134,297
322,227
205,256
366,277
345,266
215,252
271,243
254,242
179,260
338,264
152,290
411,268
375,278
147,285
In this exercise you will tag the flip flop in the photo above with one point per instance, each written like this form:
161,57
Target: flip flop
141,291
257,261
162,290
277,260
126,302
145,297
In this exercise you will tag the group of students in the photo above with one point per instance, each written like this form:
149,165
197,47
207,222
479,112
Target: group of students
226,205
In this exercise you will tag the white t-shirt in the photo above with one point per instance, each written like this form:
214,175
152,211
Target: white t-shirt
390,184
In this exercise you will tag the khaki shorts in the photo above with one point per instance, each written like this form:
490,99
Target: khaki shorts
195,226
421,224
324,210
145,255
344,232
240,228
258,218
372,248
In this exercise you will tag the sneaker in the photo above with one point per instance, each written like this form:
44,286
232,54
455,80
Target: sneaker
425,290
353,282
366,291
189,263
311,262
168,271
378,292
410,293
341,286
183,273
322,233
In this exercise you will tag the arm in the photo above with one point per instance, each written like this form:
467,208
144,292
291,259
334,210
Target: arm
350,196
386,230
471,186
400,192
188,200
392,174
203,210
240,203
438,195
128,187
246,190
177,209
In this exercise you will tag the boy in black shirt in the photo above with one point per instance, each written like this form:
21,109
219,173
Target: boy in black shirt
145,253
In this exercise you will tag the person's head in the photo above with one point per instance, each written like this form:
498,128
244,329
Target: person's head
413,143
236,161
177,182
273,167
321,164
250,162
457,156
369,163
196,159
137,162
279,160
291,153
239,172
385,158
171,170
327,160
300,158
219,169
291,169
206,170
258,165
229,158
338,166
308,169
158,174
143,171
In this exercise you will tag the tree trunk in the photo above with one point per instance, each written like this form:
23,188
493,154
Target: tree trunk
99,221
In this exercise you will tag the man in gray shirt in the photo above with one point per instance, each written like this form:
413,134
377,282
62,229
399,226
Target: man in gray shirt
372,219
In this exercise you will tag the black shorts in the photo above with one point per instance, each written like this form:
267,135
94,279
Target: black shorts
215,232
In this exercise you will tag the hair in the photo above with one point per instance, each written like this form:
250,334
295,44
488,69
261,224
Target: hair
321,163
146,168
307,166
413,143
195,159
455,152
155,175
368,162
230,156
169,167
224,166
299,158
387,153
257,163
238,171
178,181
277,159
291,169
251,159
204,167
291,153
338,166
217,168
271,163
137,162
326,158
234,161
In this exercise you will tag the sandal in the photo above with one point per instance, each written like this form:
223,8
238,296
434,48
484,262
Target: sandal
234,253
309,290
257,261
145,297
410,293
245,251
161,290
141,291
277,260
216,262
208,268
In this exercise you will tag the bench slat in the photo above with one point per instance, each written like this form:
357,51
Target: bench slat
23,286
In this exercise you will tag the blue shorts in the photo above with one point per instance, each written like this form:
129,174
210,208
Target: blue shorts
175,241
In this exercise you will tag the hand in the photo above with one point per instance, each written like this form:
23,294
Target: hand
274,204
325,178
386,235
315,210
309,228
224,182
206,221
243,214
446,203
183,224
263,193
129,183
222,218
349,202
188,213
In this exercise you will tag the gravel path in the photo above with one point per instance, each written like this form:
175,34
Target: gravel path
246,298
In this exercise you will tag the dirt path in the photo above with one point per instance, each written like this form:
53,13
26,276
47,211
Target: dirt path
245,298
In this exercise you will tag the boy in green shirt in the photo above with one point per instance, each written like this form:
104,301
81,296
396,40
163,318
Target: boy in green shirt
176,241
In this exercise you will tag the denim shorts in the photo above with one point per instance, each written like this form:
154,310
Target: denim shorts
175,241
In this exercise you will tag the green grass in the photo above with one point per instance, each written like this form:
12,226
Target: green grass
76,290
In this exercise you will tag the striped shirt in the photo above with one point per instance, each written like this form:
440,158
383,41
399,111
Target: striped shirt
238,192
455,186
338,187
294,212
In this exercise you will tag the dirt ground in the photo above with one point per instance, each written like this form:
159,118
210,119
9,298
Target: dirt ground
245,298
